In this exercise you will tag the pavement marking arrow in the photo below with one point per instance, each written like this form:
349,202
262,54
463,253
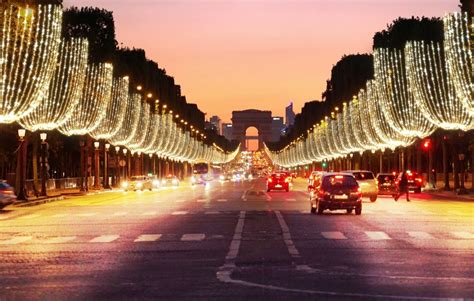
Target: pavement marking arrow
420,235
377,235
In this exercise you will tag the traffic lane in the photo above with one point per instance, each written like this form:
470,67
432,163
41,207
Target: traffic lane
188,256
357,254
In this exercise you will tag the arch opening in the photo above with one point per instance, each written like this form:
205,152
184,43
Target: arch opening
252,139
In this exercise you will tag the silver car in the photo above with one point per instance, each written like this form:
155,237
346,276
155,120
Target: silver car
367,183
7,195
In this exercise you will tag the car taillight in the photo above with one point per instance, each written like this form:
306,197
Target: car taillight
287,180
418,180
270,180
8,191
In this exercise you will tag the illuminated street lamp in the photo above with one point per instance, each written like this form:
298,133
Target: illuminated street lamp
117,165
44,172
21,167
106,160
96,165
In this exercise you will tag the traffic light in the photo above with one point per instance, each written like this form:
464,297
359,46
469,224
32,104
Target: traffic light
426,144
325,165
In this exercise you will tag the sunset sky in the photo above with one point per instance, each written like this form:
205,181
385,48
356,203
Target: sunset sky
239,54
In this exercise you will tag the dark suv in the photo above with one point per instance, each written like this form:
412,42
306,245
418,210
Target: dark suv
279,180
337,191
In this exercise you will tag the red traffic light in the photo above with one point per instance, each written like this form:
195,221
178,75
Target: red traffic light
426,144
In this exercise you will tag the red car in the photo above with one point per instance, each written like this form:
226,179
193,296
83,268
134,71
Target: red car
415,181
279,181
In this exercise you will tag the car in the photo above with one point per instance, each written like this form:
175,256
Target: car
279,181
7,195
367,183
337,191
314,179
138,183
415,181
199,179
386,183
170,181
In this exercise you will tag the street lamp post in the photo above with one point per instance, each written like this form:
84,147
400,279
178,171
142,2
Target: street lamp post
126,166
106,172
117,165
21,194
96,165
44,172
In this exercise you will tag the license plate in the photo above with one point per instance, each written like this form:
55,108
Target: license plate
340,197
278,186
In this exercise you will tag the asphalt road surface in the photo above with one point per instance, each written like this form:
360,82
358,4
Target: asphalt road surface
235,241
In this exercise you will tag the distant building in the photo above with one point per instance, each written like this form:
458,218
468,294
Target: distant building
217,123
289,115
227,130
277,127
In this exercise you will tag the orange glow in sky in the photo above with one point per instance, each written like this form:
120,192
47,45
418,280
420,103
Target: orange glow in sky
261,54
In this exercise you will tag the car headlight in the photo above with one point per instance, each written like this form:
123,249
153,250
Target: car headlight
163,182
174,181
221,177
193,180
156,183
139,184
124,184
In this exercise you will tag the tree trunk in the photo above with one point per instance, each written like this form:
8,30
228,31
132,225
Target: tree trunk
35,164
445,165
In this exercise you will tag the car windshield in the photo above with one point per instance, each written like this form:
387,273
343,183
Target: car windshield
135,178
339,181
363,175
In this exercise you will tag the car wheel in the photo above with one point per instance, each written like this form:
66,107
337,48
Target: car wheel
418,190
319,208
268,189
287,189
358,210
373,198
349,211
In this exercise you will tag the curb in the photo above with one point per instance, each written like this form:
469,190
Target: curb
38,202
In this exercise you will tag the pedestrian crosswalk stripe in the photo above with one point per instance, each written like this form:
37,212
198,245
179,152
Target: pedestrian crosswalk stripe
193,237
179,213
463,234
120,213
88,214
420,235
333,235
16,240
149,213
377,235
60,239
180,201
104,238
222,200
291,200
201,200
147,237
30,216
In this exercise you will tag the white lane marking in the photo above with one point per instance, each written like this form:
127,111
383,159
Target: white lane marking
291,200
60,239
16,240
333,235
427,212
147,237
104,238
455,212
59,215
287,236
420,235
179,213
463,234
222,200
158,201
201,201
377,235
88,214
123,213
244,195
211,212
149,213
180,201
236,239
30,216
193,237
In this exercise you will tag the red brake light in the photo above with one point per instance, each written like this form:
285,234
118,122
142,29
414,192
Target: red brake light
270,180
419,180
321,193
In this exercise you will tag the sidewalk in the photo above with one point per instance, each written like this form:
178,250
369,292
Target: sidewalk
53,196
